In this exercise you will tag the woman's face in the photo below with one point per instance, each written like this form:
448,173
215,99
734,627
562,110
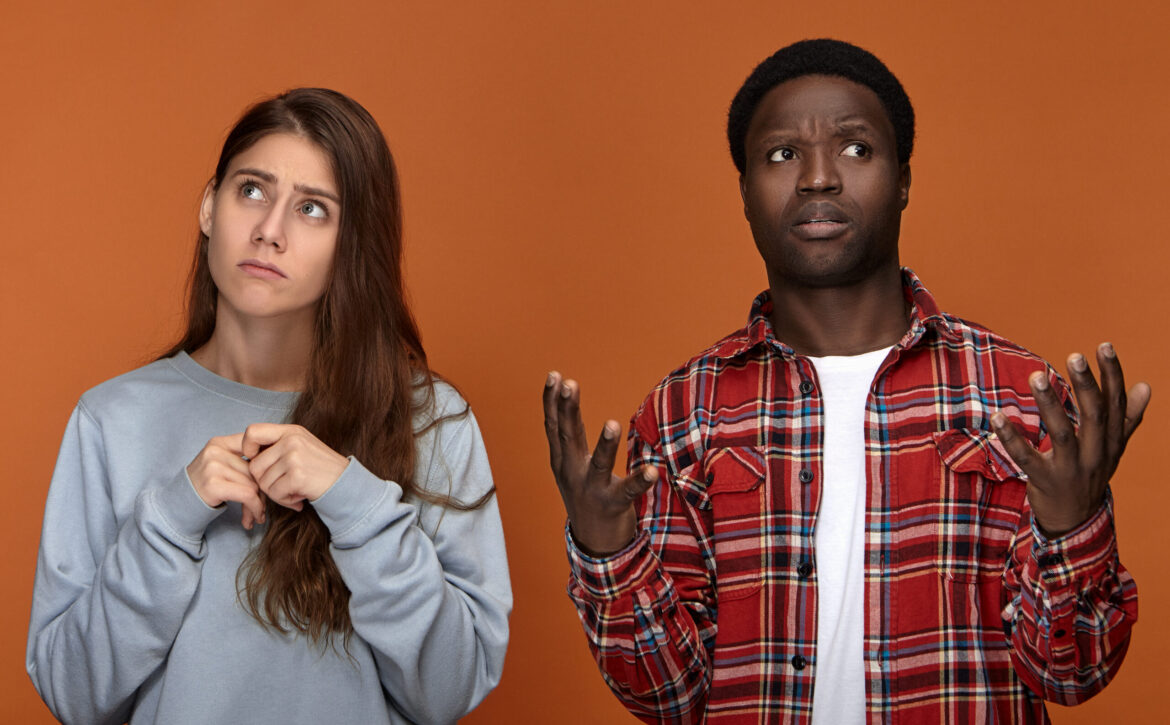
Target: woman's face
272,226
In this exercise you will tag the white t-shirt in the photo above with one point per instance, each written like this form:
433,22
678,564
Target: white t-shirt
839,685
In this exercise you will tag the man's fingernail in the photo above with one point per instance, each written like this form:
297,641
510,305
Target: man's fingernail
565,391
649,474
1077,362
1040,382
997,419
608,432
1107,348
548,383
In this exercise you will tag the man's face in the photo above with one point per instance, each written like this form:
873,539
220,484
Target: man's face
822,189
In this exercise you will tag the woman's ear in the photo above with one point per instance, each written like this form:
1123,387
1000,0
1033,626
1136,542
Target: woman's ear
207,208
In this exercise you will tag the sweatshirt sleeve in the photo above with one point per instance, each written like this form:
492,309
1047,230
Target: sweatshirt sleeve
429,587
109,594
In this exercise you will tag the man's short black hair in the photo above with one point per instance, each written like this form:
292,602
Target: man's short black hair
823,56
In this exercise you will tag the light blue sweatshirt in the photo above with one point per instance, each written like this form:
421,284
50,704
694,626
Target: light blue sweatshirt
135,614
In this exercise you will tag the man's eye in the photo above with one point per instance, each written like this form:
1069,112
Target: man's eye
248,190
856,149
784,154
313,209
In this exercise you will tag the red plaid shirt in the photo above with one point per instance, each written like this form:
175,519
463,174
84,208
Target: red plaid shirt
971,615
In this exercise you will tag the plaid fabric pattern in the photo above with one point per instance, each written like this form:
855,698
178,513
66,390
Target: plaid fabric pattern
971,614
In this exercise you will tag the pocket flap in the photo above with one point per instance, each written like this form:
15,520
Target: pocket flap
966,450
737,469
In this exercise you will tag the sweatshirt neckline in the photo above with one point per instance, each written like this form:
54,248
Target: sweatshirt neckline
204,378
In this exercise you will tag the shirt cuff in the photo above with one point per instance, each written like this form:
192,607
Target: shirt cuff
1081,555
610,576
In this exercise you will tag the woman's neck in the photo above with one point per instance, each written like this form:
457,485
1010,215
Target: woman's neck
272,354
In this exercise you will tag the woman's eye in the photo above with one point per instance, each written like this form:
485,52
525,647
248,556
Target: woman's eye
249,190
856,149
784,154
313,209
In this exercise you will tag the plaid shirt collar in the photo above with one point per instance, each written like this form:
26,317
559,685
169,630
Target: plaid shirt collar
924,316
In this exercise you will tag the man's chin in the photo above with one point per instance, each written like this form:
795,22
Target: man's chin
828,274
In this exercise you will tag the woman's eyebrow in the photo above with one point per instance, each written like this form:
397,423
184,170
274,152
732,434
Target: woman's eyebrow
271,179
314,191
264,175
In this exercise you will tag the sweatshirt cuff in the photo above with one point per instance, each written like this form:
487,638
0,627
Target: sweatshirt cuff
610,576
350,501
182,509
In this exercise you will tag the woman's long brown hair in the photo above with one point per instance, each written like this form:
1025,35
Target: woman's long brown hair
368,379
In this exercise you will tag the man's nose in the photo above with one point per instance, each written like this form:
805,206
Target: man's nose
818,172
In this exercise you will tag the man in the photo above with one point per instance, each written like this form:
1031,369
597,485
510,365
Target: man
856,508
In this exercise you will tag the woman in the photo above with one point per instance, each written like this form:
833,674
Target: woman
286,518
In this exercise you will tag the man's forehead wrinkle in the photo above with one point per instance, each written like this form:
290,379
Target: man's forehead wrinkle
811,126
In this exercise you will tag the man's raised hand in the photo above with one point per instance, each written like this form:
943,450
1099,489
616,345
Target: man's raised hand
1066,484
600,505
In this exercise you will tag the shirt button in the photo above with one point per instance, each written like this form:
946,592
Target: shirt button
1047,560
805,569
805,387
806,475
798,662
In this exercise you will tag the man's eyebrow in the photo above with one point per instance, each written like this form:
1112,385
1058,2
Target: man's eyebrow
844,126
852,125
271,179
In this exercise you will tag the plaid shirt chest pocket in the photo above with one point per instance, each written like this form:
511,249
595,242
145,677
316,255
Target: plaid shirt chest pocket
980,502
729,486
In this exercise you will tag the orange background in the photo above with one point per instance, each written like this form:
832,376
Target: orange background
570,204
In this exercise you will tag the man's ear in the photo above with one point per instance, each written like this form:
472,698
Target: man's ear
904,184
207,208
743,194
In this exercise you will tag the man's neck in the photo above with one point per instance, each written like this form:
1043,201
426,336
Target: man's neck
849,320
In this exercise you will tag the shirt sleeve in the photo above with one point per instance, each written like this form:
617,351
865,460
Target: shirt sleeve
429,587
109,596
648,610
1071,604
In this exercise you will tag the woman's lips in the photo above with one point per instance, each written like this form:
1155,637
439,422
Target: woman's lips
263,270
